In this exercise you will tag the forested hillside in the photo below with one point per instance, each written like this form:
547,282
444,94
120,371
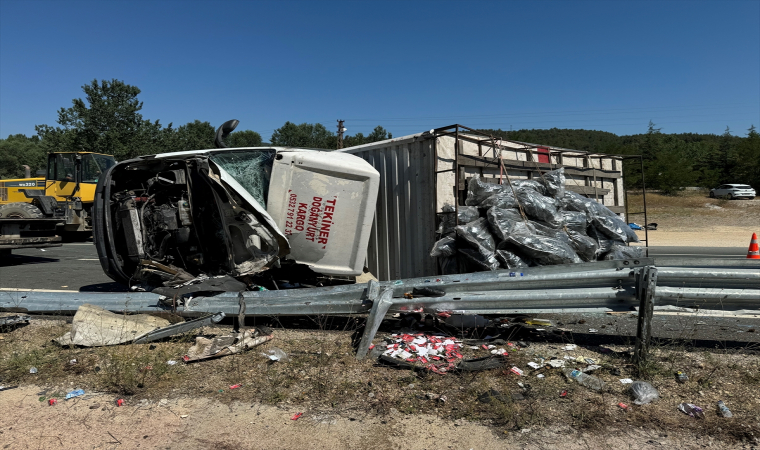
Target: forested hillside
108,120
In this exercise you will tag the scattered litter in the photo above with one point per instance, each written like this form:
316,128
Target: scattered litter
498,351
557,363
569,347
584,379
14,320
93,326
723,410
7,388
681,377
540,329
492,395
563,393
296,416
52,402
592,368
72,361
534,365
33,370
75,393
183,416
120,402
589,361
643,392
692,410
276,354
593,330
626,380
205,348
517,371
540,375
171,362
624,407
235,386
437,353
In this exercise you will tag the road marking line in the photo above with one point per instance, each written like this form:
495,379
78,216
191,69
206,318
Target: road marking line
88,259
35,290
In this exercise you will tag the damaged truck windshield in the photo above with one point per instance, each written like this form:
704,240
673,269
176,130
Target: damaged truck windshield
267,217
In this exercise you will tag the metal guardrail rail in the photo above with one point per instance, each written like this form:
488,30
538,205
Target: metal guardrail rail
597,286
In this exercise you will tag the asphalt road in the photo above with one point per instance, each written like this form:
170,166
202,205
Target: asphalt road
75,266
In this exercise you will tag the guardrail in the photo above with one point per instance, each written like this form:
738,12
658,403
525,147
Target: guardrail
590,287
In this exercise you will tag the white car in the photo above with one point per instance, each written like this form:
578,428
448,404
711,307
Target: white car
732,191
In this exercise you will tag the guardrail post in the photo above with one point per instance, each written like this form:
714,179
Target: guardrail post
379,309
646,284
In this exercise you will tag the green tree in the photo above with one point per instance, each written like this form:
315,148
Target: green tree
18,150
304,135
108,121
244,138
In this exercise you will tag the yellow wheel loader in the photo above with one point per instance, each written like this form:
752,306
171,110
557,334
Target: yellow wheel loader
66,193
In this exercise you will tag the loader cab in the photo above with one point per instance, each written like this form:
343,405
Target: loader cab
75,174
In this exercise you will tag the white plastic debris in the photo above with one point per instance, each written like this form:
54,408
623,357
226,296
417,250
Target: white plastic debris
557,363
569,347
534,365
540,375
626,380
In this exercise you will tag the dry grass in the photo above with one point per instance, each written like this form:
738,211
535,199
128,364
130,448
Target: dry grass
323,375
694,210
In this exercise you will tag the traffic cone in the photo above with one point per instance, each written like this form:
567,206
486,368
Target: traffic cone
754,250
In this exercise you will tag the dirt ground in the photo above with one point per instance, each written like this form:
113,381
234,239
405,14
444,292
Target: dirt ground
353,404
695,220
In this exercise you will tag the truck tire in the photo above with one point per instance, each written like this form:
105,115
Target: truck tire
20,210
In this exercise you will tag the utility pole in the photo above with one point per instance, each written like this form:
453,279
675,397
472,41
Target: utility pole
340,133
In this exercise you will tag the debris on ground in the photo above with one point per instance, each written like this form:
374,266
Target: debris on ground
8,323
491,396
692,410
723,410
75,393
643,392
276,354
93,326
584,379
206,348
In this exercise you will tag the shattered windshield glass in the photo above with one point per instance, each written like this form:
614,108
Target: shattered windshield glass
251,168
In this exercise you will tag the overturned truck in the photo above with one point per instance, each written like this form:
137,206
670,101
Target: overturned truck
235,218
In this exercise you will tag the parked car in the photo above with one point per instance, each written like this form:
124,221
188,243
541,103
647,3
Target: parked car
732,191
164,219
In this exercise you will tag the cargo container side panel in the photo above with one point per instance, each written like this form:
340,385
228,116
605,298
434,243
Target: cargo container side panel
394,266
383,204
402,168
427,186
372,247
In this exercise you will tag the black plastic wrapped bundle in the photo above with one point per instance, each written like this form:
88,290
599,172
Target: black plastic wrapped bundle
542,249
622,251
445,246
466,215
510,260
503,220
554,182
575,220
475,235
479,190
539,207
530,184
503,200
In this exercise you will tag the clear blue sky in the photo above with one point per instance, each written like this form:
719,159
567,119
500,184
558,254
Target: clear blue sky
690,66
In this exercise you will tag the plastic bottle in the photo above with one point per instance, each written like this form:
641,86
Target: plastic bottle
723,409
584,379
681,377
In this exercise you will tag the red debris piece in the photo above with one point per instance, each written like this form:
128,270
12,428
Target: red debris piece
296,416
372,346
120,402
484,347
52,402
186,358
624,407
563,394
235,386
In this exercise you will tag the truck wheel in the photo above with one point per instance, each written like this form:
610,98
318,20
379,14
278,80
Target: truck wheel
20,210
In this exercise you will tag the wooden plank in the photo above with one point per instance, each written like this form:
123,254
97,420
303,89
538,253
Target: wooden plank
530,166
587,190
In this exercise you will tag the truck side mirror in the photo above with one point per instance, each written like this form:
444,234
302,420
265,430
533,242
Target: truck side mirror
223,131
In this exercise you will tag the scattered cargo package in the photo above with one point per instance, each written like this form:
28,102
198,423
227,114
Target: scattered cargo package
424,180
165,220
